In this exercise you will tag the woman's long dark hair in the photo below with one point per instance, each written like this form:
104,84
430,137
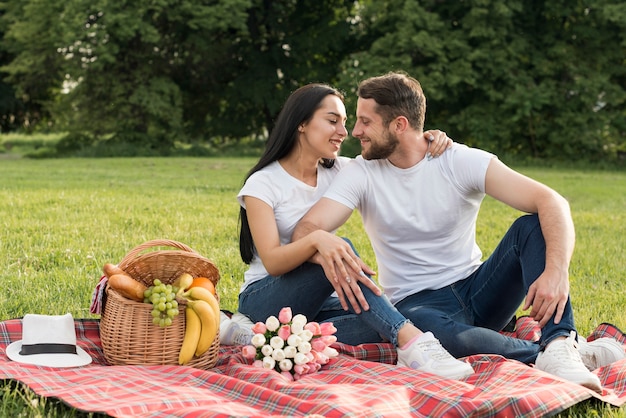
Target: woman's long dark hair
298,109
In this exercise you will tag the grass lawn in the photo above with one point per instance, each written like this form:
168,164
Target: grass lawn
63,219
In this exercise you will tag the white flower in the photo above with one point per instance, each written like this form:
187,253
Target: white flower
272,323
277,342
290,351
294,340
258,340
306,335
267,350
304,347
291,347
331,352
285,365
297,328
301,358
298,321
278,354
269,363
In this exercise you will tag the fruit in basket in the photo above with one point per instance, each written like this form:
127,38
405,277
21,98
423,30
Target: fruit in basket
164,304
183,282
206,307
209,324
191,338
200,293
127,286
203,282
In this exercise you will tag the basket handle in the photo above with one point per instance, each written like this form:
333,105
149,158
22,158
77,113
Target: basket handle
132,254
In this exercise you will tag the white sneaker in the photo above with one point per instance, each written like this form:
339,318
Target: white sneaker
233,333
600,352
241,319
562,359
427,354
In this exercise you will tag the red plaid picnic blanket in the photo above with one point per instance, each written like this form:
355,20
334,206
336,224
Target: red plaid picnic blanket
361,382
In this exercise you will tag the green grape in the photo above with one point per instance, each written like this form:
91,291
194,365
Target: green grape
164,304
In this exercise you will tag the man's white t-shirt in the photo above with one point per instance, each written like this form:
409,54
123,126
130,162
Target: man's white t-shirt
421,221
290,199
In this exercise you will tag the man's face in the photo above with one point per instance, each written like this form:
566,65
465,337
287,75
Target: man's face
377,141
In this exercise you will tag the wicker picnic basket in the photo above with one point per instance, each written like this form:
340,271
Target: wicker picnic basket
127,333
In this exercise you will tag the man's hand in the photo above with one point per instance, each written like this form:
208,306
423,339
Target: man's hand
547,296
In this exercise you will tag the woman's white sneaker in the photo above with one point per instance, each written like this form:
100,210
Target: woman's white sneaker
426,353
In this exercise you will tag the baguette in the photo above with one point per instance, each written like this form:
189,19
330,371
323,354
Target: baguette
111,269
127,286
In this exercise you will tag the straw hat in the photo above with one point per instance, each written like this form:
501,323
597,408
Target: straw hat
48,340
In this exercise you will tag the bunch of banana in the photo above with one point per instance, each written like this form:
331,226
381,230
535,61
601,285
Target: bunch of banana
202,316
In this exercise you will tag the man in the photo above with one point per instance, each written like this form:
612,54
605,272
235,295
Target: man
420,215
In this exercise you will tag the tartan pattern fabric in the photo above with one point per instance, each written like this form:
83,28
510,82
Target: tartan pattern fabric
361,382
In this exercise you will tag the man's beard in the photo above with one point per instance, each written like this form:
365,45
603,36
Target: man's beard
381,149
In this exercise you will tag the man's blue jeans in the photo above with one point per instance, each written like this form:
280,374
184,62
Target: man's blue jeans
307,291
467,316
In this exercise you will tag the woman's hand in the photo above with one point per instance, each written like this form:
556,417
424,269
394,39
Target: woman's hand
344,269
438,143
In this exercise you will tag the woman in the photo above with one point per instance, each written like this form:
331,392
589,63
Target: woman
297,166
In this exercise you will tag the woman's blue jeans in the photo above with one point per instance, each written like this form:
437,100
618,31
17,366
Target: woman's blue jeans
307,291
467,316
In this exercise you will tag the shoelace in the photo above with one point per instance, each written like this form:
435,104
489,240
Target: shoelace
434,349
566,350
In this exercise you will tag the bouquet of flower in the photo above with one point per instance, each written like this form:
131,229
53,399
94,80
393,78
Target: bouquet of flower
291,345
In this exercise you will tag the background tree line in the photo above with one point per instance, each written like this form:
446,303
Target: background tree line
527,78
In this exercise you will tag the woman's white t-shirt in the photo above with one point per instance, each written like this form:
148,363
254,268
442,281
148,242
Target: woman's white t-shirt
290,199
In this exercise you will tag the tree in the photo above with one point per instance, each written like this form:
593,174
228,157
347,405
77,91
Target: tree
155,71
26,75
535,78
288,43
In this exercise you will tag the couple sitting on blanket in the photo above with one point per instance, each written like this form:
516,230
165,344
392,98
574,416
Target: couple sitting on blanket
418,195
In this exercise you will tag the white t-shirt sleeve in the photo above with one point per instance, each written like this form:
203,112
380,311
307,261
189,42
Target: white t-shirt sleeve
348,186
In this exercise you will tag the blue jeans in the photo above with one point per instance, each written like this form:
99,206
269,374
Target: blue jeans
307,291
467,316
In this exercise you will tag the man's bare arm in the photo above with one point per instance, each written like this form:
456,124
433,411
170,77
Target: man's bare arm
548,295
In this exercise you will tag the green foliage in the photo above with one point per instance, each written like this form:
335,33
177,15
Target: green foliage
532,79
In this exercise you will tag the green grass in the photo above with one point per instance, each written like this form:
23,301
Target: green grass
61,220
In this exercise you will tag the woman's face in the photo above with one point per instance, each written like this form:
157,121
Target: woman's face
326,130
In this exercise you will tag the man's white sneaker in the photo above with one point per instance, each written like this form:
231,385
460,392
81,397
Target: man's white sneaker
561,358
425,353
600,352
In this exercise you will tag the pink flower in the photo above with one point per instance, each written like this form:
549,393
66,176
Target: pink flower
284,332
318,344
249,352
259,328
314,327
302,368
322,358
328,339
290,345
327,328
285,316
